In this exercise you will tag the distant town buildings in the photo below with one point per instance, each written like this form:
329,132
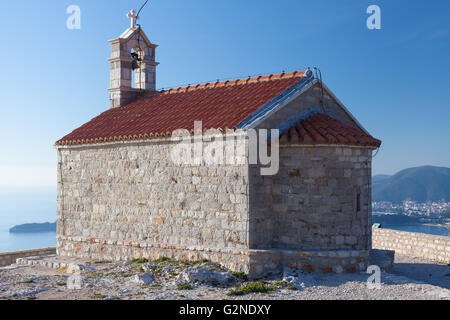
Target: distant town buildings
440,209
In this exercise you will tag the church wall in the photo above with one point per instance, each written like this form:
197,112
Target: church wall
310,208
129,201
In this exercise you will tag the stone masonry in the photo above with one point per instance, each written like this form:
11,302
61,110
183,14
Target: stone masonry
127,201
8,258
309,208
118,202
419,245
123,88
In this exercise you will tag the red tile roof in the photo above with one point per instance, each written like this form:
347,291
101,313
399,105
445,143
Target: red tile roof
323,129
219,105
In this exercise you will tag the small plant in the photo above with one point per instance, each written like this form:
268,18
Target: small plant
157,270
124,274
31,298
254,287
139,261
212,268
165,260
291,287
98,297
103,262
28,281
285,285
92,275
191,263
281,283
61,284
240,275
184,286
62,270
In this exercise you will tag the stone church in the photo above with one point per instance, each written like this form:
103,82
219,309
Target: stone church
120,196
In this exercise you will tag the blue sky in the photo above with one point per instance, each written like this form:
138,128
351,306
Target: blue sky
394,80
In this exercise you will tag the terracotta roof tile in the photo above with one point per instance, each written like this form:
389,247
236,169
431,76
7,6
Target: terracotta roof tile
221,105
157,114
323,129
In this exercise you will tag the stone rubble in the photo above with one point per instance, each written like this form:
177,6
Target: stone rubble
162,280
297,279
143,279
208,276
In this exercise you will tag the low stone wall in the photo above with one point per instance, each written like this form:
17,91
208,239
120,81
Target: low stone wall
9,258
419,245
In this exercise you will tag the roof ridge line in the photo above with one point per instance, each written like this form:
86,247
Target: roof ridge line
229,83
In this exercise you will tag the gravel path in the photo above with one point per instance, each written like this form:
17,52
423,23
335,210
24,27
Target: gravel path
423,270
162,280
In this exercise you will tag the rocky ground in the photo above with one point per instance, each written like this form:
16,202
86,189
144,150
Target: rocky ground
201,280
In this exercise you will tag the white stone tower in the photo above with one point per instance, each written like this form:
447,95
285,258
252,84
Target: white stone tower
131,75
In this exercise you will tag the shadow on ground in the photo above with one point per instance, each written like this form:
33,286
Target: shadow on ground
435,274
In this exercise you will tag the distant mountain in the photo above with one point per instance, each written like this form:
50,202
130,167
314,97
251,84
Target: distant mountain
33,228
380,177
419,184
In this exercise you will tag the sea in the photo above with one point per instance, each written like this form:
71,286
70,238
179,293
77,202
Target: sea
409,224
437,230
26,205
38,205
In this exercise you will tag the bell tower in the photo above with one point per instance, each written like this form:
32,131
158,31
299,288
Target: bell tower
133,66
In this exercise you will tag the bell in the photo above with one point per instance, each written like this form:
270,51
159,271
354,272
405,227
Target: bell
135,63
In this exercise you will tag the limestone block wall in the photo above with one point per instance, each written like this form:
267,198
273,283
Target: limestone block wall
126,201
129,200
9,258
311,204
420,245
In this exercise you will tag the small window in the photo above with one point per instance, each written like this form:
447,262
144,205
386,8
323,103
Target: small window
358,202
